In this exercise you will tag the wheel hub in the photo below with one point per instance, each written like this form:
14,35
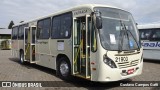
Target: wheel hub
64,69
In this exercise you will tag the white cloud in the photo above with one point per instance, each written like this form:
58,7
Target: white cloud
144,11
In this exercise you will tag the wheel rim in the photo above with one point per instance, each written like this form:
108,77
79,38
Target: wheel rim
21,58
64,68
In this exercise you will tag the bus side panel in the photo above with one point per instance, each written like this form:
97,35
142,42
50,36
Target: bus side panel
53,50
14,41
151,50
95,58
151,54
43,56
15,50
63,47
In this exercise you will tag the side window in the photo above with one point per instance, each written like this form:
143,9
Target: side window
39,29
19,32
33,34
66,23
93,38
22,35
56,27
89,30
26,32
61,26
155,35
14,33
145,34
43,29
46,28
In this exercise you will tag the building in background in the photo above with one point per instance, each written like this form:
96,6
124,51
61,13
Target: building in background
5,35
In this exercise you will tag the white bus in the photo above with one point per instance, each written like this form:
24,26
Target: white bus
94,42
150,37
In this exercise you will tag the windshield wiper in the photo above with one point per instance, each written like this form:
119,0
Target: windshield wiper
120,45
131,35
124,32
133,38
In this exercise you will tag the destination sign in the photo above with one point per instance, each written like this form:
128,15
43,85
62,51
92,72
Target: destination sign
83,11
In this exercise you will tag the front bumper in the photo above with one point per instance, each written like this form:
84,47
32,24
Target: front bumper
107,74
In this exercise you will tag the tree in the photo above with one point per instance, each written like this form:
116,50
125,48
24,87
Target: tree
10,25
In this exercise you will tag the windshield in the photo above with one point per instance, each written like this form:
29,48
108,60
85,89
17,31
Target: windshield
118,30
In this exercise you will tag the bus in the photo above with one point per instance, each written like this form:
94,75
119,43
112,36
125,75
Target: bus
150,37
5,38
6,44
95,42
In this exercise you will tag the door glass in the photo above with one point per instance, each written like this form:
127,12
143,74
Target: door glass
88,44
26,34
33,34
27,44
82,46
77,32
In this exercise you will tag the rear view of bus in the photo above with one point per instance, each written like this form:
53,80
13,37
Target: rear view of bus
150,38
119,52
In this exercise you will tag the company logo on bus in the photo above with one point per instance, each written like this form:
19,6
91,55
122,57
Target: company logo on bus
151,44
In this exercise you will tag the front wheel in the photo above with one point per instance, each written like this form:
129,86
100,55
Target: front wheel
64,68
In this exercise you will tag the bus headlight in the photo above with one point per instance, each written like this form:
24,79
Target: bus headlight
109,62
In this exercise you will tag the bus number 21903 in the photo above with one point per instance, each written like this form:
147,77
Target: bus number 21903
121,59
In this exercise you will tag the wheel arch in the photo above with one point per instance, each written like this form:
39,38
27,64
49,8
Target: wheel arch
20,50
59,56
62,56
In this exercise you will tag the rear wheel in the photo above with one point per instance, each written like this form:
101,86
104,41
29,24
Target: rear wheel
64,68
22,57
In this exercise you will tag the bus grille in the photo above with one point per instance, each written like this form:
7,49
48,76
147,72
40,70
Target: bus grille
128,64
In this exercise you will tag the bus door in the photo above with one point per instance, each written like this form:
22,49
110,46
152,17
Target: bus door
81,47
29,44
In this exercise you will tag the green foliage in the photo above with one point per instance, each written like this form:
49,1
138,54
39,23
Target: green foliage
10,25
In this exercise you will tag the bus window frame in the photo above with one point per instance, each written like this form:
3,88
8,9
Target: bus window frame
71,26
151,33
93,31
15,37
154,32
38,33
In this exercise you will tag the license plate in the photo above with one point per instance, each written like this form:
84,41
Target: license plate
130,71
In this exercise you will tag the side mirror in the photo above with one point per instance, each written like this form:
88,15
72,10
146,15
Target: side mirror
99,22
98,19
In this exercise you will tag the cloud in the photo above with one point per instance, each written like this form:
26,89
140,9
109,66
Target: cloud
144,11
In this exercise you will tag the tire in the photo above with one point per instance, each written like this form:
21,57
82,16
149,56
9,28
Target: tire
21,58
64,68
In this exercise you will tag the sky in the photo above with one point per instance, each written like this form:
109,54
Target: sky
143,11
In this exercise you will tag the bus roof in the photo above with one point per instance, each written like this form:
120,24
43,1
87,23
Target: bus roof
148,26
91,6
